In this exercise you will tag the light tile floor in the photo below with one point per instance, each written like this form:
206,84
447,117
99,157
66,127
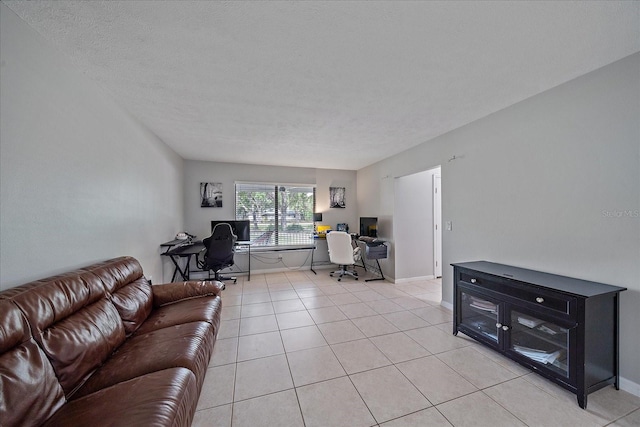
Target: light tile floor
298,349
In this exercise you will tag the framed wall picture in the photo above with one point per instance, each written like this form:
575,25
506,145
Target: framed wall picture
211,194
337,197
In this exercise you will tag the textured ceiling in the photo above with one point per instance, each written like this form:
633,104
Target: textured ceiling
326,84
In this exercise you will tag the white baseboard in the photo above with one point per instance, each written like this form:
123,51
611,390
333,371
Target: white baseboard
413,279
301,268
447,305
199,275
629,386
274,270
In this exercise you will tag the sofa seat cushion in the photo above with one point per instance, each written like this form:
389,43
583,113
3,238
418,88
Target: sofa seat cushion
166,398
206,309
177,291
189,346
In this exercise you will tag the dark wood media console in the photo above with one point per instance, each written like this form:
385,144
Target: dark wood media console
564,329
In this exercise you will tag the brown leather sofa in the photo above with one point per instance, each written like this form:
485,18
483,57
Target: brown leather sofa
101,346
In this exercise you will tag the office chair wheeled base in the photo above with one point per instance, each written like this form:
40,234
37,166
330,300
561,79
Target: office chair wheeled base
221,279
344,272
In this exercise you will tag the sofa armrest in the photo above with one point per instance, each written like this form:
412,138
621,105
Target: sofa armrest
173,292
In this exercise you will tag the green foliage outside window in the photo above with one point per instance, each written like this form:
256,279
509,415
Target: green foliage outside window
279,214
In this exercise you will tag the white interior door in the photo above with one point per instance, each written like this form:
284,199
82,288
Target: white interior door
437,227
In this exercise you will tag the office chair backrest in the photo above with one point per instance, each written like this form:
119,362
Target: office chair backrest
220,247
340,248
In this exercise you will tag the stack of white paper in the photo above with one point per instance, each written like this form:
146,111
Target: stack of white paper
538,355
483,305
530,322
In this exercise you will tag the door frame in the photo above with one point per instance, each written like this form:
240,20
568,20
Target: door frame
437,225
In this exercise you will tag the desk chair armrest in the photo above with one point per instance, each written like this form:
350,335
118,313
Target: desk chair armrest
173,292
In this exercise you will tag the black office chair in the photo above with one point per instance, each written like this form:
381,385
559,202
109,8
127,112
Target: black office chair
220,247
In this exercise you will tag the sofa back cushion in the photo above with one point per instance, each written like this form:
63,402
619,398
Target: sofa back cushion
130,291
134,303
74,321
29,390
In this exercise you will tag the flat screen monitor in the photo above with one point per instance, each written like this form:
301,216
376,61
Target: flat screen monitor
369,226
240,228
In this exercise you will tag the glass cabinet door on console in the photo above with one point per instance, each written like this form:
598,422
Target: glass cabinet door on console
543,342
535,339
480,316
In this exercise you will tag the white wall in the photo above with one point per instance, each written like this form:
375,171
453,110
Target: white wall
197,219
80,180
551,183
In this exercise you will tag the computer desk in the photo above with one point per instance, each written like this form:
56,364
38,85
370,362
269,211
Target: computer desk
177,249
366,262
322,242
246,244
367,256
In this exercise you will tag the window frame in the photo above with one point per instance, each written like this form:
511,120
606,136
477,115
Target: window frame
279,238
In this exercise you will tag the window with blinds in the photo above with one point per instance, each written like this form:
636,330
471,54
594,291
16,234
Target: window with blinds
280,215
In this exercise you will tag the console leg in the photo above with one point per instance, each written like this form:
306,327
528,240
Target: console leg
582,401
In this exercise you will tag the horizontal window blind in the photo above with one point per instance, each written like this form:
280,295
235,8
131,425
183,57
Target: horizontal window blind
280,215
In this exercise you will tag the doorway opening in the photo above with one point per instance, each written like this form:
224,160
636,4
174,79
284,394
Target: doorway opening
417,226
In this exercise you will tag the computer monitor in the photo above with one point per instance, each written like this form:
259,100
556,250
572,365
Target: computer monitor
241,228
369,226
